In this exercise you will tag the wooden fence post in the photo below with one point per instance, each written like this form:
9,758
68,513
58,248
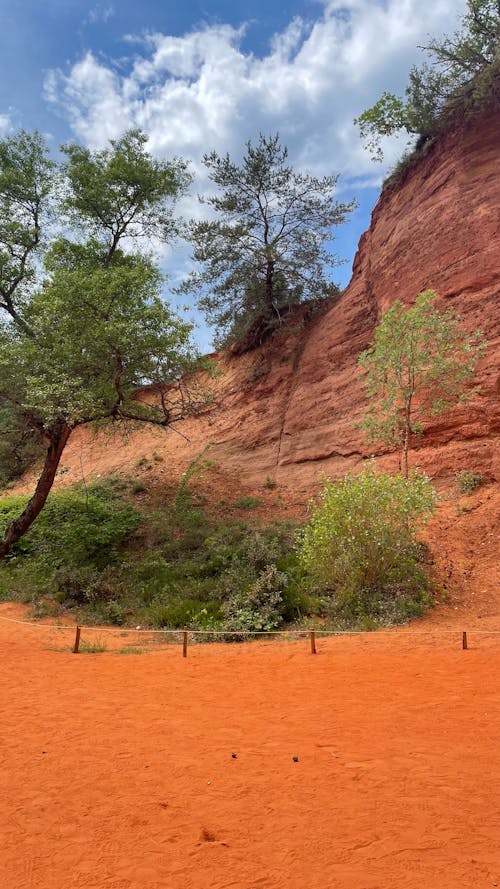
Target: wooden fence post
185,642
76,647
313,641
464,640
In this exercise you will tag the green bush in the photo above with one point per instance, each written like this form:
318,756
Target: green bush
259,606
188,613
257,580
247,502
468,480
74,527
92,552
360,544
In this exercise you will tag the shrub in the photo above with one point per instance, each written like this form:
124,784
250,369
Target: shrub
468,480
247,502
92,552
190,612
260,606
74,527
360,545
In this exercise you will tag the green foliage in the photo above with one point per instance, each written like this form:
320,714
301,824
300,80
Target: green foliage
83,321
74,529
188,612
92,552
20,444
247,502
264,251
195,469
464,78
122,188
259,606
468,480
360,544
418,367
97,646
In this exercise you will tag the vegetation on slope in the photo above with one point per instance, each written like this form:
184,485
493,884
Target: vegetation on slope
110,553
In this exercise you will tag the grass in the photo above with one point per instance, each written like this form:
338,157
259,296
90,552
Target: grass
247,503
97,646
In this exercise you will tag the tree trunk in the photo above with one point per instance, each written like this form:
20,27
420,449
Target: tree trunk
406,444
405,455
270,286
23,523
407,431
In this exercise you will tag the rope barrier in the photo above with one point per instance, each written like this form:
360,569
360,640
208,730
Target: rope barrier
394,631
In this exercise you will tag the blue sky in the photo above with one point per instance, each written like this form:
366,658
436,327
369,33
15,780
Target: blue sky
203,75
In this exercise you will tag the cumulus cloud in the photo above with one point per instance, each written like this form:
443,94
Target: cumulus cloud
201,90
5,124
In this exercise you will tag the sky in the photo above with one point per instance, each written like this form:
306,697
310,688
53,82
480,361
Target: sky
197,76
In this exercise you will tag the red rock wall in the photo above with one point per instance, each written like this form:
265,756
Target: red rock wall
289,410
439,230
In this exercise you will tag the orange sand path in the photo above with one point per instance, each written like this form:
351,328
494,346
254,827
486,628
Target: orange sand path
116,771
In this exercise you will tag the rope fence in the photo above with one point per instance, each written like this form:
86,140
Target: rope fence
312,634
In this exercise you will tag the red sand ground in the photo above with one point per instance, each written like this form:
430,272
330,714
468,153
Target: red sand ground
117,770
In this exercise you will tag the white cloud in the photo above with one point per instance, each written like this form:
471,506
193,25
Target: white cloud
201,90
100,13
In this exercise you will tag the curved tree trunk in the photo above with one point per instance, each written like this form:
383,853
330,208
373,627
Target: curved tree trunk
19,526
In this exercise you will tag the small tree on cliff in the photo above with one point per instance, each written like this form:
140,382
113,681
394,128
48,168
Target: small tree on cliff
463,77
83,323
265,250
417,367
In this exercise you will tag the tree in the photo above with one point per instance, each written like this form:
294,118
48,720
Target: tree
265,250
83,323
359,543
464,74
417,367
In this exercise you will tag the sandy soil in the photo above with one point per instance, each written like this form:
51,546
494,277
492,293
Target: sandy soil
117,770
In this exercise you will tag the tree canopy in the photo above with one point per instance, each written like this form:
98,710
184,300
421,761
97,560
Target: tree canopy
418,367
463,76
265,250
83,321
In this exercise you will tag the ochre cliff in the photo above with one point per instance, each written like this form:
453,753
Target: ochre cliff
440,229
289,410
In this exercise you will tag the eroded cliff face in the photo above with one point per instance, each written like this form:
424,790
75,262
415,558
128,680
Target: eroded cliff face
440,229
289,410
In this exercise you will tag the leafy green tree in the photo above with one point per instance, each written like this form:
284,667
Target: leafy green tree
359,543
83,322
464,74
20,444
417,367
265,250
